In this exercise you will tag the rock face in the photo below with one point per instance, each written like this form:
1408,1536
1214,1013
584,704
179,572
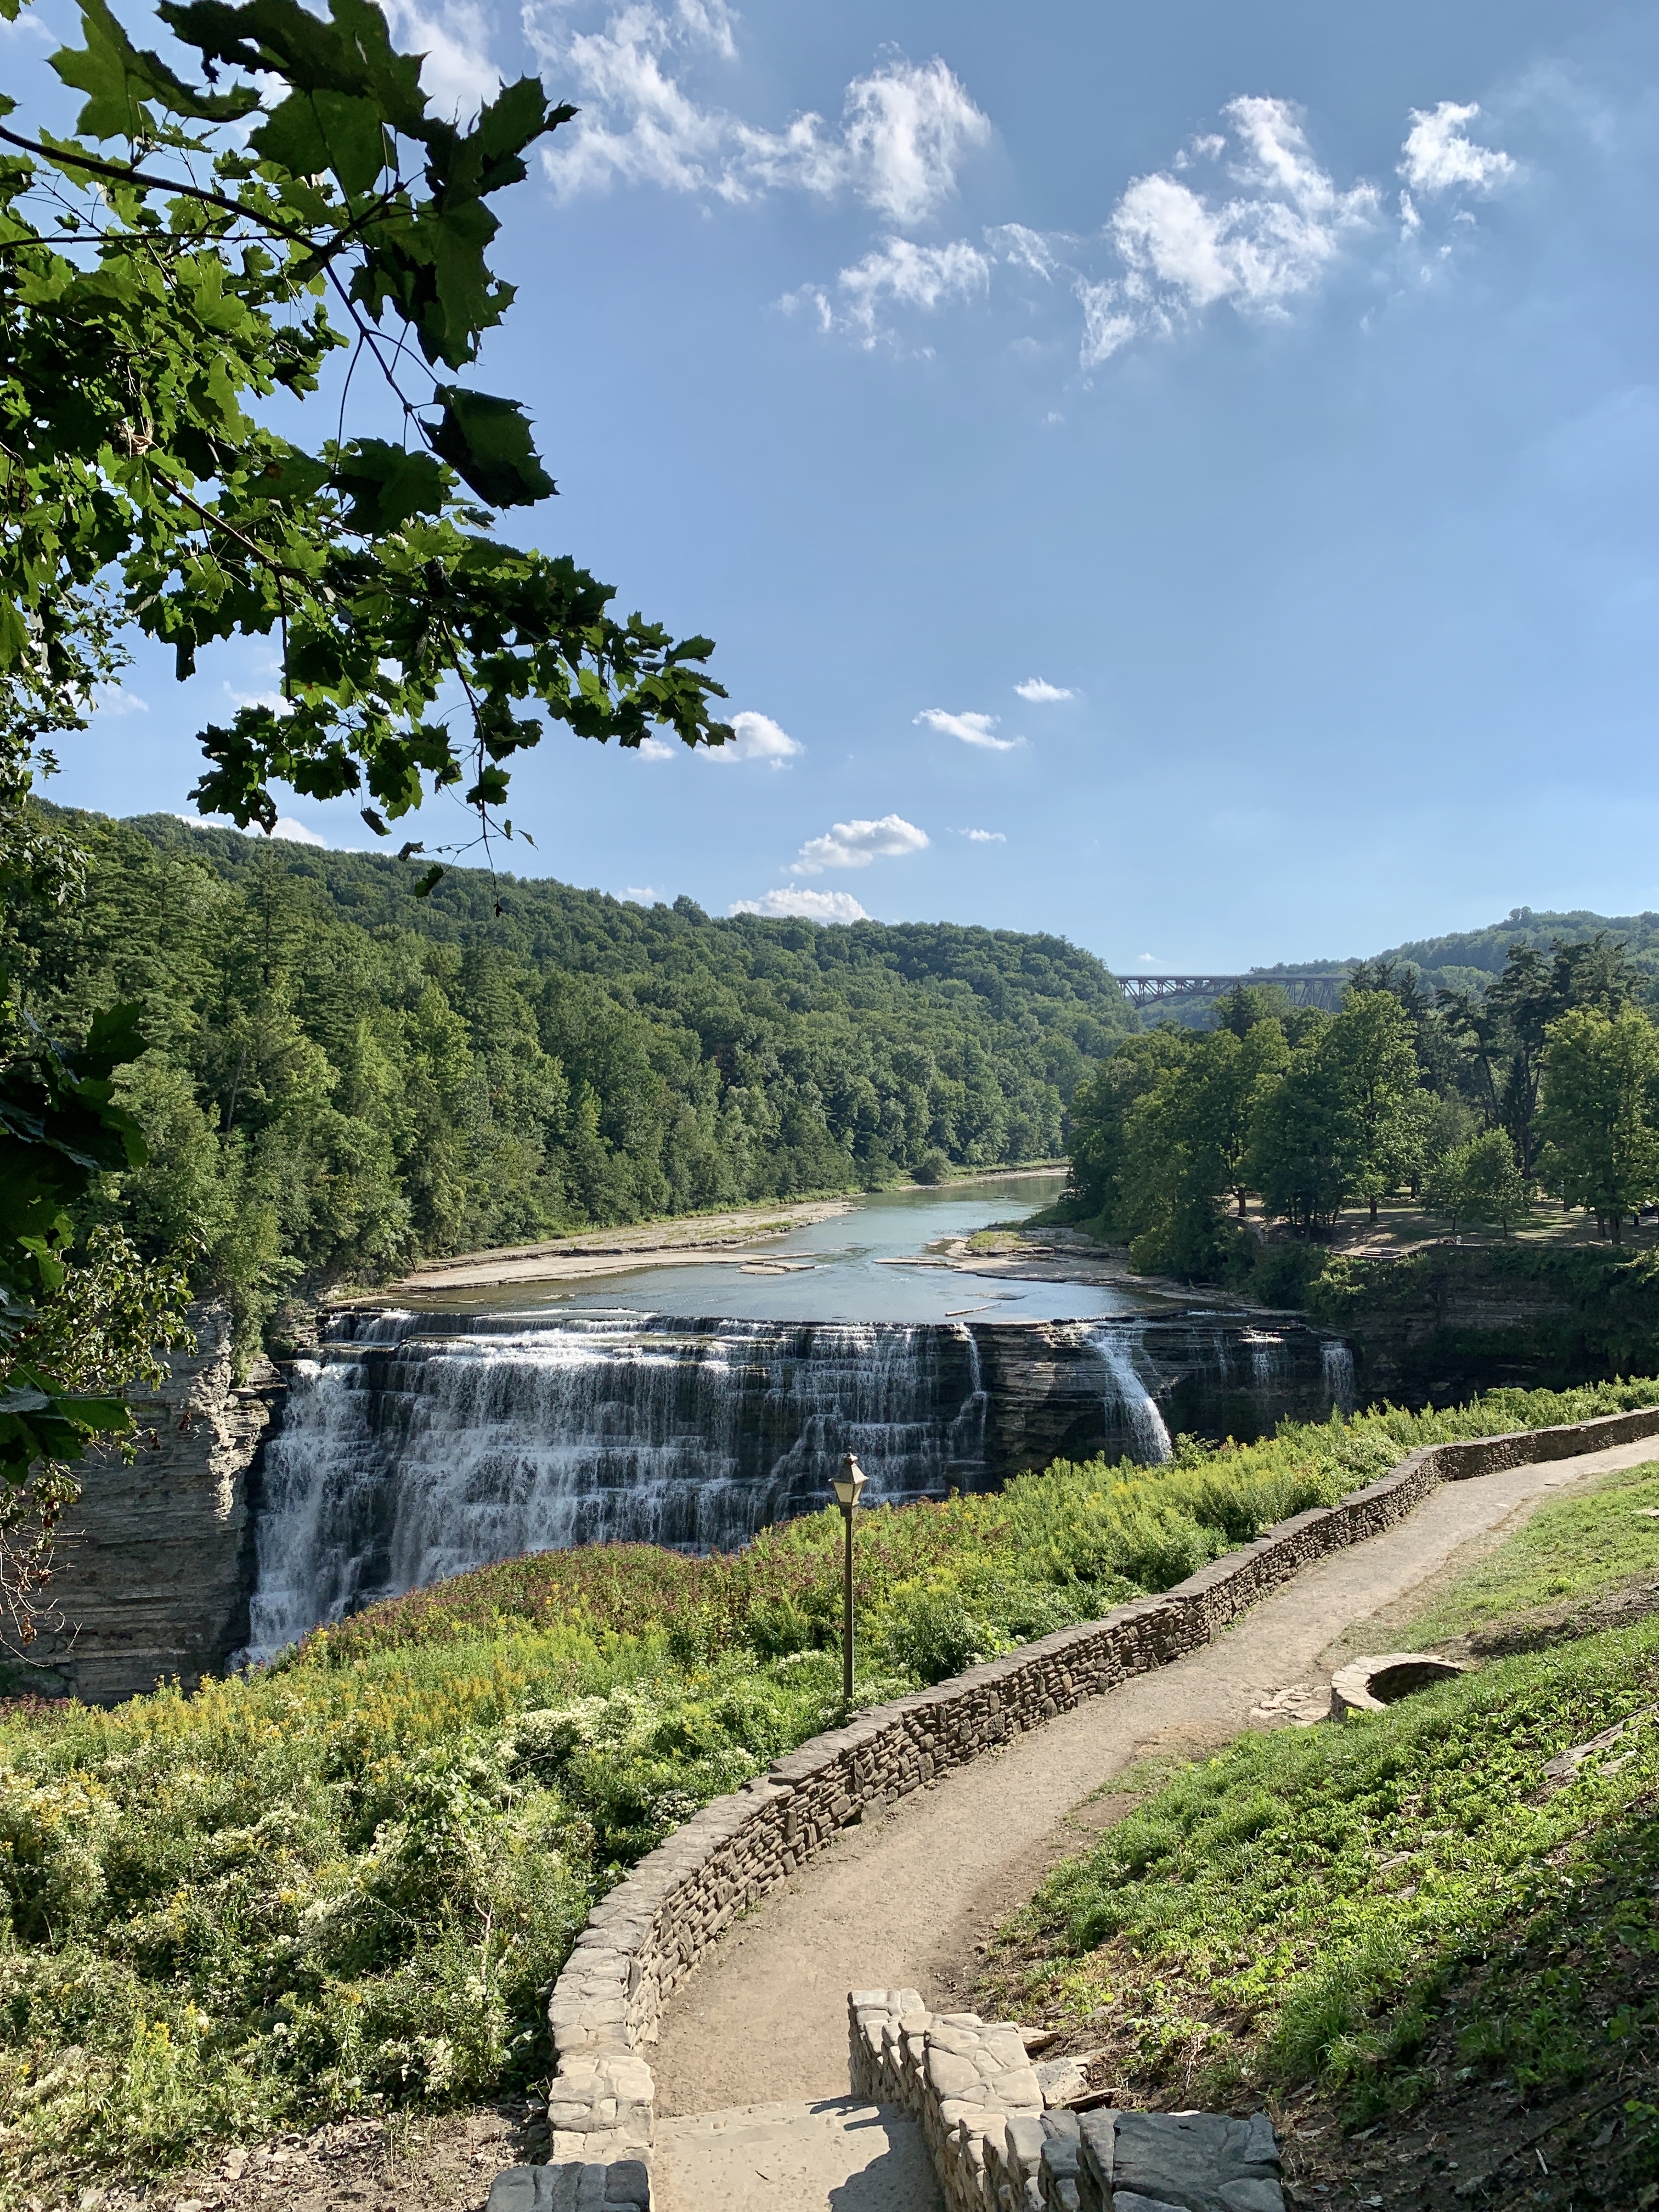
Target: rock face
154,1566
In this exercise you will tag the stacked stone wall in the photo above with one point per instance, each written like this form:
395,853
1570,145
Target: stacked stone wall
645,1937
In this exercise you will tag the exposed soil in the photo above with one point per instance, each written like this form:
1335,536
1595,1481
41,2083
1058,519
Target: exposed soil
444,2164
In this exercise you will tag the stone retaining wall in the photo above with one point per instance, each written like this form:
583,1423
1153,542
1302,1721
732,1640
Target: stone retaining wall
642,1939
971,2084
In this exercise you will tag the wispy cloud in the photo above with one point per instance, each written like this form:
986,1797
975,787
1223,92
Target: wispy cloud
897,273
1244,218
972,729
644,895
1439,154
758,738
984,836
905,129
1272,233
855,844
115,699
797,901
1039,692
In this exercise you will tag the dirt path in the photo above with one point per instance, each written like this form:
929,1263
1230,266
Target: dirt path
903,1902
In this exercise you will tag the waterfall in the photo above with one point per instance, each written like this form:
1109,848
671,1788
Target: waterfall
1336,1364
1131,1408
416,1445
967,1432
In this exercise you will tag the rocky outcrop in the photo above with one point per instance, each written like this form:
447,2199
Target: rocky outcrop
154,1565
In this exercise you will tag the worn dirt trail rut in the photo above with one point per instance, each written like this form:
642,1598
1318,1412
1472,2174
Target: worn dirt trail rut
903,1902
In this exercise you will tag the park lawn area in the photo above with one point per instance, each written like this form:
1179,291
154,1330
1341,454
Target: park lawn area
1394,1928
1568,1558
345,1884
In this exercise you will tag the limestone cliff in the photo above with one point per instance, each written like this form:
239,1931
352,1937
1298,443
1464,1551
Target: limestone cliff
154,1565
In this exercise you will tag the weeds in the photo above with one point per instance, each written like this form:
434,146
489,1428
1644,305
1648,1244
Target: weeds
347,1883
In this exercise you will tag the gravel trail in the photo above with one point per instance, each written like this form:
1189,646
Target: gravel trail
904,1901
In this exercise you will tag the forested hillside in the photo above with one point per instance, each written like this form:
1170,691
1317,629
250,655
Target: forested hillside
1468,959
340,1076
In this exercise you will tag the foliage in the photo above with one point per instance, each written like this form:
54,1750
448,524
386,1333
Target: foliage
165,275
345,1883
1600,1108
1354,1905
1402,1087
1311,1905
338,1077
1480,1180
79,1319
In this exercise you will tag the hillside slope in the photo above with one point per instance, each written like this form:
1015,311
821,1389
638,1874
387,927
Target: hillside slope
343,1077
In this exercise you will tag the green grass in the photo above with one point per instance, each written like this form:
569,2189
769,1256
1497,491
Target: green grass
1573,1548
1375,1907
347,1883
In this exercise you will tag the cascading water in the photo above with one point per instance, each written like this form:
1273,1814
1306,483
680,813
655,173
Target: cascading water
1131,1409
415,1445
419,1445
1336,1364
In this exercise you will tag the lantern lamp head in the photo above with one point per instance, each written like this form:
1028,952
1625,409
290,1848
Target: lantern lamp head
849,1483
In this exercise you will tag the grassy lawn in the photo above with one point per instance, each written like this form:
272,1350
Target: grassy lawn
345,1884
1403,1917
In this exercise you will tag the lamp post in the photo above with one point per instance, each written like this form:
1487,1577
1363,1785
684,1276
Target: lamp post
847,1486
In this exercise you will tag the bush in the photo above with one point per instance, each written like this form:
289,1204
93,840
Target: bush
932,1167
345,1883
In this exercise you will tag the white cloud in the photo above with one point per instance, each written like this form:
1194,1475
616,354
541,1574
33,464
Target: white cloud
1439,153
114,699
1040,692
810,906
286,828
972,729
855,844
758,738
644,895
1274,236
456,75
906,129
898,272
985,836
655,749
1026,249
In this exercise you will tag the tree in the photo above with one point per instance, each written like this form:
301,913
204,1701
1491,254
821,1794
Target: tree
1505,1031
165,273
1302,1154
1099,1120
1601,1085
1370,1056
1479,1181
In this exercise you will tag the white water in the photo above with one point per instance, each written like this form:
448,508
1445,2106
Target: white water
419,1445
1130,1407
1336,1362
416,1445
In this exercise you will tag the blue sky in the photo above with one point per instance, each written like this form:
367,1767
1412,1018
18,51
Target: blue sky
1181,476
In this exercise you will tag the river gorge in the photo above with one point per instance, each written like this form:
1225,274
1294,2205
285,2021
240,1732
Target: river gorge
418,1439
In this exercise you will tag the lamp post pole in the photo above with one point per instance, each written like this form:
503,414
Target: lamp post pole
847,1486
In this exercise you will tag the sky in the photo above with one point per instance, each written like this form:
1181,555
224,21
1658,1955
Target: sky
1181,477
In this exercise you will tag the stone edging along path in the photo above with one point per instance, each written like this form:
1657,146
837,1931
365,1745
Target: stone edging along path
645,1937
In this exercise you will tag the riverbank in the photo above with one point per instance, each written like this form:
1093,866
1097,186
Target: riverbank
684,1240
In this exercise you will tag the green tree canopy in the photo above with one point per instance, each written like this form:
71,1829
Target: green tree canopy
164,274
1600,1076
